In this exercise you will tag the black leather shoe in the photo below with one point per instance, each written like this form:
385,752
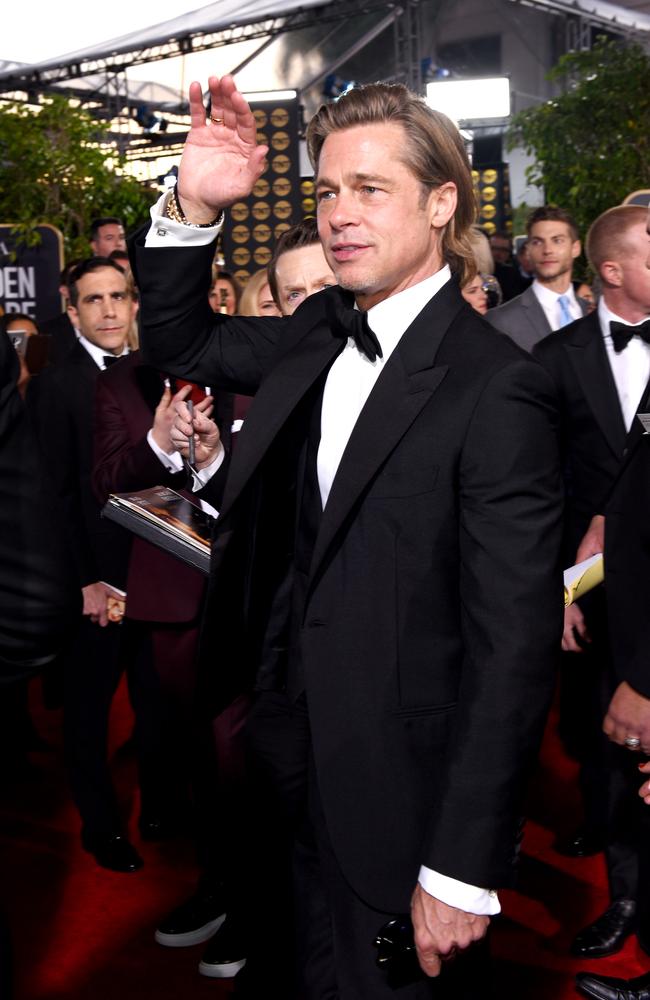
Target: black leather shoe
226,953
113,851
608,933
193,922
579,844
154,828
609,988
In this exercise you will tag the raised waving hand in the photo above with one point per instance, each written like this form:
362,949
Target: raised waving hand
221,159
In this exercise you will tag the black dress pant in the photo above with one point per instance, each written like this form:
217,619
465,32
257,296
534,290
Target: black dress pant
334,928
93,668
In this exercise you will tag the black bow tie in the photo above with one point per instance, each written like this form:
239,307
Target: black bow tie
346,321
111,359
622,334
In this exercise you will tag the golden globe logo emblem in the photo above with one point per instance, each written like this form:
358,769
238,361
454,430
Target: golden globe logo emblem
281,228
240,234
280,163
241,256
262,139
243,277
262,256
488,211
488,193
489,228
279,118
261,188
489,176
280,140
239,211
282,209
261,210
281,187
260,117
262,233
307,187
308,204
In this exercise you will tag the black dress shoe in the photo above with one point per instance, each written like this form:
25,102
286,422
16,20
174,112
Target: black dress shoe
193,922
226,953
580,844
112,850
154,828
608,933
609,988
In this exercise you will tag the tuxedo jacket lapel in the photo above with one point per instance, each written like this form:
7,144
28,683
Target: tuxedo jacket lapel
290,379
588,357
404,387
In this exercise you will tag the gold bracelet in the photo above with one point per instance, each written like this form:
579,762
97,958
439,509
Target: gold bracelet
174,212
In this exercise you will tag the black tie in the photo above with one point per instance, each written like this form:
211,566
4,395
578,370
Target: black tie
110,359
346,321
622,333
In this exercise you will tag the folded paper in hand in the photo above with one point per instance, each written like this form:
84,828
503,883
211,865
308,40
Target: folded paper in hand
582,577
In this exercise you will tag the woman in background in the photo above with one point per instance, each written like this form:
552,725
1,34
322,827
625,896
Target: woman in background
256,298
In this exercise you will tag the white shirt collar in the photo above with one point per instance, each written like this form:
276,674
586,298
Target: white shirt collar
393,316
96,353
606,316
547,298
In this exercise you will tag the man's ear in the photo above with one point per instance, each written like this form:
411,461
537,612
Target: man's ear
443,204
576,249
611,273
73,314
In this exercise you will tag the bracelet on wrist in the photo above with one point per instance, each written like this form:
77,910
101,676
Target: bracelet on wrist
174,212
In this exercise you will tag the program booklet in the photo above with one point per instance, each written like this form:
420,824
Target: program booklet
582,577
166,519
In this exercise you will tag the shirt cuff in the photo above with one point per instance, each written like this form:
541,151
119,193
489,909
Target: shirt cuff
202,476
172,462
469,898
167,233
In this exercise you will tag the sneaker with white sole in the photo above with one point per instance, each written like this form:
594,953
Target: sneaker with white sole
193,922
226,954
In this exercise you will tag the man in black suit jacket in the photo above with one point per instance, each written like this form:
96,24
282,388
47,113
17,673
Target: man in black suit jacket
401,507
601,372
626,544
63,401
38,602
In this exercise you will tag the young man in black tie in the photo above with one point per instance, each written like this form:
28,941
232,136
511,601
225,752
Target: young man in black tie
386,509
601,367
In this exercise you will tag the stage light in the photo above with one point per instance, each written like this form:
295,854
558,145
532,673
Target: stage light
471,100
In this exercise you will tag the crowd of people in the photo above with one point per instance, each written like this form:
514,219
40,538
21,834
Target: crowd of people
395,487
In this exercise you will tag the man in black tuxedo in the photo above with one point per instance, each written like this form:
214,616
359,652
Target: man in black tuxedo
393,497
626,544
63,399
38,602
601,372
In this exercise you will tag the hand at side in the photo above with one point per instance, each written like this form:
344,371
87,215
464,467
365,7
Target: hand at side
440,930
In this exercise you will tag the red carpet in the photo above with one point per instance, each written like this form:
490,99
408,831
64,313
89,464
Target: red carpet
82,933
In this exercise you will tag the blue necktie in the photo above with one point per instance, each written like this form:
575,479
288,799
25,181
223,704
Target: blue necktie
565,317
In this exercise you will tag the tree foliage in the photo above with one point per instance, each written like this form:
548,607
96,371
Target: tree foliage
591,144
55,168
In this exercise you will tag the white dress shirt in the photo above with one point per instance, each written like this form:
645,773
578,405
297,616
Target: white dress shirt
549,301
348,385
630,368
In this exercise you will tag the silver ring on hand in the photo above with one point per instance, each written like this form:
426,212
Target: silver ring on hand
632,742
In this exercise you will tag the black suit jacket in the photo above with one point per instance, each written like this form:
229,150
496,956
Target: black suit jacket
593,434
38,597
627,567
432,607
62,402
